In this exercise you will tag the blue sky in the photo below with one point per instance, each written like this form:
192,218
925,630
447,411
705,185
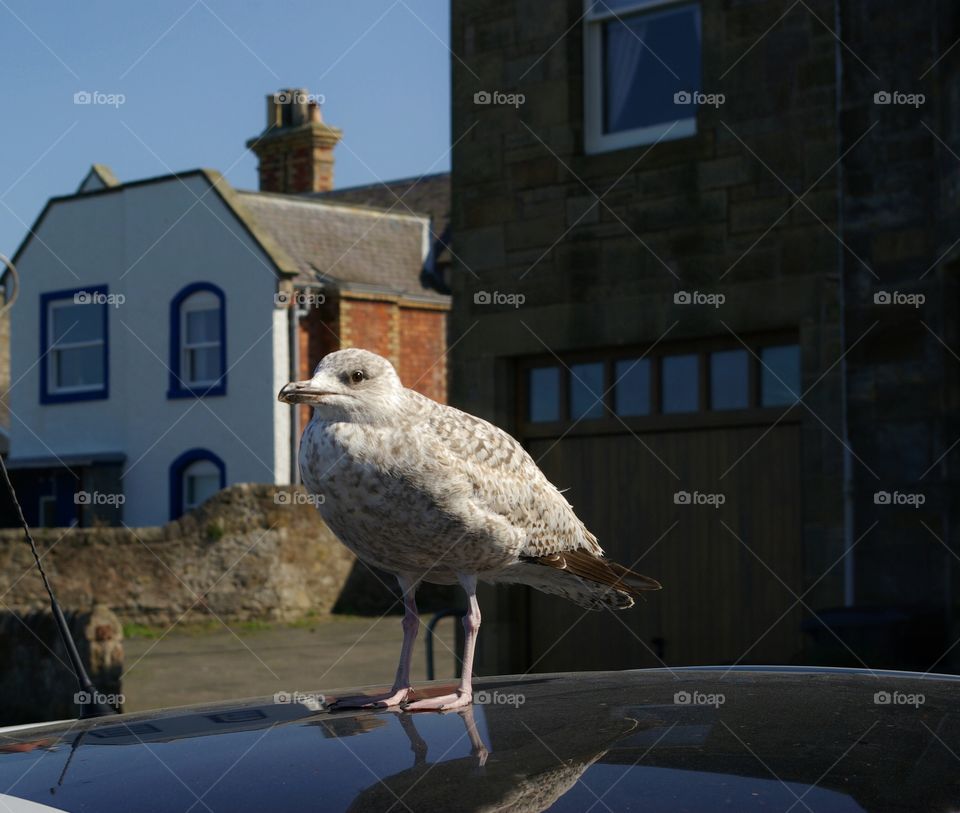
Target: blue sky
194,74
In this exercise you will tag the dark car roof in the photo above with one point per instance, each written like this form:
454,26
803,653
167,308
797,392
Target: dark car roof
654,740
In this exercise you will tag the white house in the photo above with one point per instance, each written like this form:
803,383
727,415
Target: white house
158,319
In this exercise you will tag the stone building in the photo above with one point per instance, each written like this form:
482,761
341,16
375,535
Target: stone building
706,261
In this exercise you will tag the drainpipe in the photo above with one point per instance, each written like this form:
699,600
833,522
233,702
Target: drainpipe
293,323
849,593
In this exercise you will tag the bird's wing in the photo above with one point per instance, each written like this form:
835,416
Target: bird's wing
502,480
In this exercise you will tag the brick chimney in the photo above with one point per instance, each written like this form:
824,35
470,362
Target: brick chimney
295,150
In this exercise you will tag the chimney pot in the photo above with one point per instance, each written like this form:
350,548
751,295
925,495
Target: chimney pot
295,149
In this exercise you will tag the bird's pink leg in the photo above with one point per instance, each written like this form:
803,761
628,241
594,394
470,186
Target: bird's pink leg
401,684
471,625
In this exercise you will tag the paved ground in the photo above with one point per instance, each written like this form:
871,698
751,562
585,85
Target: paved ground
340,651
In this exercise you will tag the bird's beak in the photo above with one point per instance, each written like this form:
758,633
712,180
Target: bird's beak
302,392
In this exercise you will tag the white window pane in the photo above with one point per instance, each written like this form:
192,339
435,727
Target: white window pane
203,364
77,323
544,398
729,379
586,390
780,375
647,58
199,487
203,326
78,367
680,381
632,391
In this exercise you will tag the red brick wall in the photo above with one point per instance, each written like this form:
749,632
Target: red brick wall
370,325
422,351
414,339
319,334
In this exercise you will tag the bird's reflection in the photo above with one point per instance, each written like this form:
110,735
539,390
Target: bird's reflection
528,768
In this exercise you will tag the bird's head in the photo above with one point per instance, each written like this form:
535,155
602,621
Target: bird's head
349,385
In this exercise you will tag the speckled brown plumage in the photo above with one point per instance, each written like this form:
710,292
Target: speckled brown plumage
418,488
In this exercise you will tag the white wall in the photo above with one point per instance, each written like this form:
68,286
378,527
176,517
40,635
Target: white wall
147,242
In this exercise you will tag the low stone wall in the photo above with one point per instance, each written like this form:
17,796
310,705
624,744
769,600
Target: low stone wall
36,681
242,556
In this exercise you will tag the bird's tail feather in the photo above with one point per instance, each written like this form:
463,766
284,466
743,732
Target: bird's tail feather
582,577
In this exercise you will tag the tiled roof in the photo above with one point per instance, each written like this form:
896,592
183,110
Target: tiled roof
427,195
350,246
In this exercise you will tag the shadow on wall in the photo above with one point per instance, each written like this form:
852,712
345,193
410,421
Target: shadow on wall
36,684
371,591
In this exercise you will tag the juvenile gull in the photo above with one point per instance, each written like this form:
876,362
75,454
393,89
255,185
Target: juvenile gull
429,493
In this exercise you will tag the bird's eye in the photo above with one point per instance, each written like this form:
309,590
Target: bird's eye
357,376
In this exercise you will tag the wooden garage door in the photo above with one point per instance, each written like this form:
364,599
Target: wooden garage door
625,432
720,602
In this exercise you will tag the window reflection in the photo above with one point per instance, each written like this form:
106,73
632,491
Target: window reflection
544,397
680,384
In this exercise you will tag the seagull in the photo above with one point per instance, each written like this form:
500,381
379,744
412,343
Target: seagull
429,493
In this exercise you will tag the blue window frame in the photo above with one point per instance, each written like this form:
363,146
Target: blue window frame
198,342
195,476
74,345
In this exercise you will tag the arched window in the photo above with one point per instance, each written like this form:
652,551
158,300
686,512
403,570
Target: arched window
195,476
198,342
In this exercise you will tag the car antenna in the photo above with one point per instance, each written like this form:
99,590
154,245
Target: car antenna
91,705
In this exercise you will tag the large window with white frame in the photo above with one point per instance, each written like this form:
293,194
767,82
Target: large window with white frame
641,72
73,352
198,342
